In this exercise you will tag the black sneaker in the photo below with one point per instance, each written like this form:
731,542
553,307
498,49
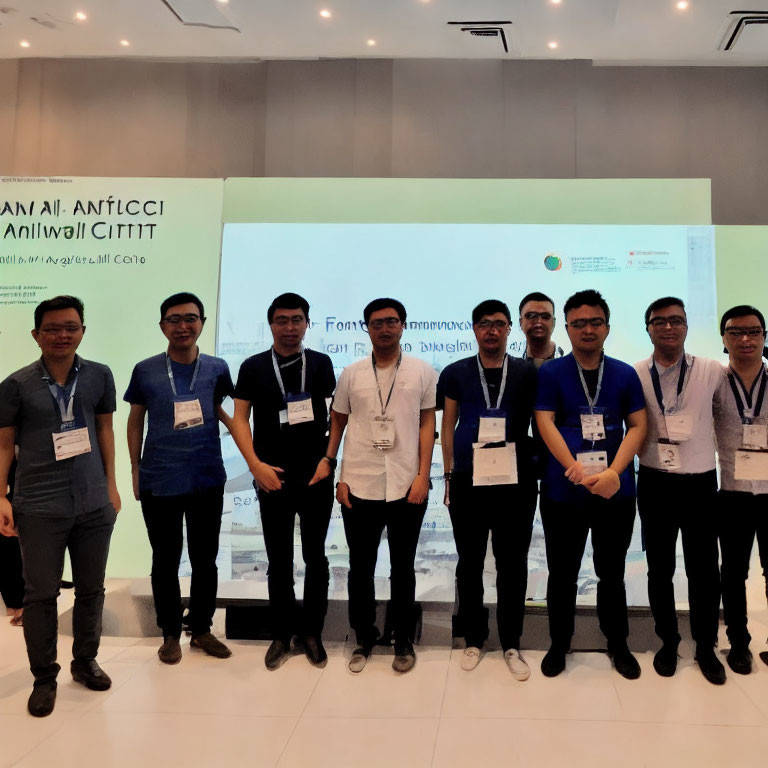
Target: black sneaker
710,666
624,662
42,699
87,672
740,659
277,654
314,651
665,660
405,657
763,656
553,662
170,651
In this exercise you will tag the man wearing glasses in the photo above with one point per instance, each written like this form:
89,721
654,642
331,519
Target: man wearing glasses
584,401
490,483
537,321
741,428
179,475
286,388
59,411
677,486
387,405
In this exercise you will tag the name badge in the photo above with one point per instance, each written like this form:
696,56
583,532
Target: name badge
492,428
592,426
754,435
751,465
494,465
299,409
593,461
669,455
382,432
679,426
71,442
187,414
283,416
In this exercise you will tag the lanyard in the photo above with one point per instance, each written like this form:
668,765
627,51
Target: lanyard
680,383
170,374
592,402
279,376
65,402
484,383
384,405
748,395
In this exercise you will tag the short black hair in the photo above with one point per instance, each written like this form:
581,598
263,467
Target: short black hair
490,307
377,304
181,298
288,301
590,298
740,311
535,296
667,301
59,302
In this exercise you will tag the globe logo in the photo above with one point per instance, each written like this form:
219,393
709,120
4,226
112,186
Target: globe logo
553,262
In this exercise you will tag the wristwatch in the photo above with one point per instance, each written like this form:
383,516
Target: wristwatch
332,462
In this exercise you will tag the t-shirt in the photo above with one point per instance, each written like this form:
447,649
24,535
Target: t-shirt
560,390
296,448
461,382
175,462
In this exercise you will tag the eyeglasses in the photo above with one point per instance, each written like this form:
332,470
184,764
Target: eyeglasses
190,319
390,322
283,321
486,325
737,333
55,330
545,316
594,322
675,321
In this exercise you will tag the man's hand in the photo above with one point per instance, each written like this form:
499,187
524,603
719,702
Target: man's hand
419,490
135,480
322,471
342,495
7,526
447,497
267,478
605,483
114,496
575,473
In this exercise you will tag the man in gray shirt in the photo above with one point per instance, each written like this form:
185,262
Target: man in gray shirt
59,412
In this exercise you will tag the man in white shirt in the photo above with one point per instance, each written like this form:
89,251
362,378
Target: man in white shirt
387,404
677,486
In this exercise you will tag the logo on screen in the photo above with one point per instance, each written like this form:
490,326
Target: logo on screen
553,262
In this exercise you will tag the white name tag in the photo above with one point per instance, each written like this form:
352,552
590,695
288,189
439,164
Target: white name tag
187,414
283,416
300,410
382,432
71,442
679,426
669,456
754,435
751,465
492,430
593,461
494,466
592,427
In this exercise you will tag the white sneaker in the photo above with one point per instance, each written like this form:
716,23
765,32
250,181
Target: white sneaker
516,663
470,658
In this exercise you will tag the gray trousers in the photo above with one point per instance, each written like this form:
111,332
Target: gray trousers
43,543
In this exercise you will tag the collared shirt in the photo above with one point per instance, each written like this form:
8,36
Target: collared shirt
44,486
728,432
702,379
372,473
175,462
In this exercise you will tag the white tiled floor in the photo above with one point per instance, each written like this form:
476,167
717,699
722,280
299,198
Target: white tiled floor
208,712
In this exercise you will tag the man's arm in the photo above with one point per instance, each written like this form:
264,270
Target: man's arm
7,438
224,418
338,425
420,485
550,434
135,434
106,437
240,429
447,433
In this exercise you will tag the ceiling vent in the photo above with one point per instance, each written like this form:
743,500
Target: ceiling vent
485,29
198,13
746,32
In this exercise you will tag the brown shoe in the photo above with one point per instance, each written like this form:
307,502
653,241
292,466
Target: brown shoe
170,651
211,645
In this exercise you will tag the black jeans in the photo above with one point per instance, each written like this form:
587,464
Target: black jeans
364,523
11,580
506,512
566,525
741,515
43,543
670,503
313,504
164,517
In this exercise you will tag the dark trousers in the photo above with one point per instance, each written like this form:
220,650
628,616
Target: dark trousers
670,504
43,543
506,512
313,504
164,517
364,523
741,515
11,580
566,525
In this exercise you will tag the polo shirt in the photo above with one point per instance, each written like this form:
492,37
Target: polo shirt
461,382
175,462
46,487
560,390
702,379
372,473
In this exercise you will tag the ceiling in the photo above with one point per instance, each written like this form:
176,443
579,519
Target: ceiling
615,32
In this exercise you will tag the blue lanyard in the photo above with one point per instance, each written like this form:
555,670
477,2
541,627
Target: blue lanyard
65,401
657,383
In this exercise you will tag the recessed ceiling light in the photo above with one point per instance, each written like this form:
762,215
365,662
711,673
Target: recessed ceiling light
223,2
24,43
124,43
553,44
80,16
556,2
325,13
682,5
371,42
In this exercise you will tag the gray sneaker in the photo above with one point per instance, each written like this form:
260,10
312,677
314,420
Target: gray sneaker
405,657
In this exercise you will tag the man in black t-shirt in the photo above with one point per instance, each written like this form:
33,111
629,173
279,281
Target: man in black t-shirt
286,389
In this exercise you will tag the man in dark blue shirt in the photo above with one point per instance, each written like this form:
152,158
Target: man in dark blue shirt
583,403
180,472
